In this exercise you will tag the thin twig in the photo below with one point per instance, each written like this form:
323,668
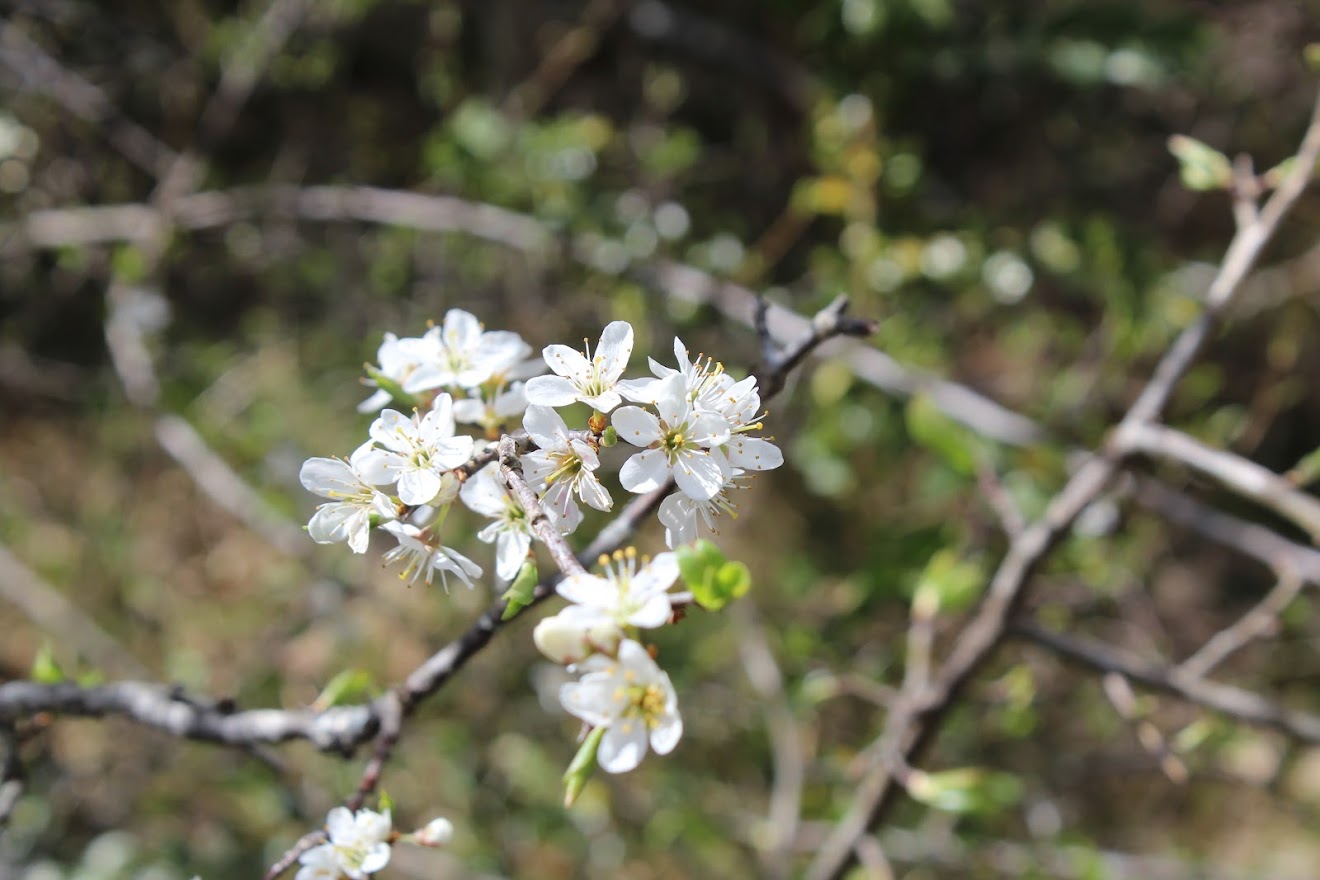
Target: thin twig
786,742
1262,619
1245,478
1232,702
46,606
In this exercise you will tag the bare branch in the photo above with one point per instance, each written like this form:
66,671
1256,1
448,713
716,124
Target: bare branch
1243,477
52,613
1262,619
1233,702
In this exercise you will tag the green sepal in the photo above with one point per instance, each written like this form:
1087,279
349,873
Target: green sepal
521,591
609,437
582,766
714,580
401,397
45,668
346,686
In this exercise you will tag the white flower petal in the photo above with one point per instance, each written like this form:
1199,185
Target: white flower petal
328,477
698,474
419,486
645,472
753,454
551,390
636,425
666,734
510,553
614,349
545,426
567,362
587,589
622,747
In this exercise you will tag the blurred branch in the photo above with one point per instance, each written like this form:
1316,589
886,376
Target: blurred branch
65,227
1285,558
786,745
52,613
568,53
1233,702
1262,619
1243,477
12,778
41,72
912,723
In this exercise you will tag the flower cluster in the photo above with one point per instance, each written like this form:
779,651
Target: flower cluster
361,843
691,428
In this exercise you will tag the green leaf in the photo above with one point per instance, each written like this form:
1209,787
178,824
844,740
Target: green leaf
958,446
385,802
347,686
45,668
582,766
521,591
948,583
1202,167
965,790
714,580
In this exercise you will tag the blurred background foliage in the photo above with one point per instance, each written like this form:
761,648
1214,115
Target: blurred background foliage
989,179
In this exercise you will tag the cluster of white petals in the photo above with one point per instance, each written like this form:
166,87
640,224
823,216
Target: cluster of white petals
691,424
358,845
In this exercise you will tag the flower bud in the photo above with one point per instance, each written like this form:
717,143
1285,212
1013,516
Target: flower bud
438,832
575,633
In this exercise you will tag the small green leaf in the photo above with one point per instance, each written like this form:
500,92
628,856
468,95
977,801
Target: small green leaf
1202,167
965,790
45,668
385,802
521,591
714,580
1311,55
610,437
931,428
948,583
345,687
582,766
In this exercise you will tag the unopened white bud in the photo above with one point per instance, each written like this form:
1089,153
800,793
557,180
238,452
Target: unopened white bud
576,633
438,832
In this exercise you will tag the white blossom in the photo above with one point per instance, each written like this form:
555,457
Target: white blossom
358,845
565,465
463,355
423,556
678,443
633,699
582,377
711,390
511,532
351,486
418,450
628,595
